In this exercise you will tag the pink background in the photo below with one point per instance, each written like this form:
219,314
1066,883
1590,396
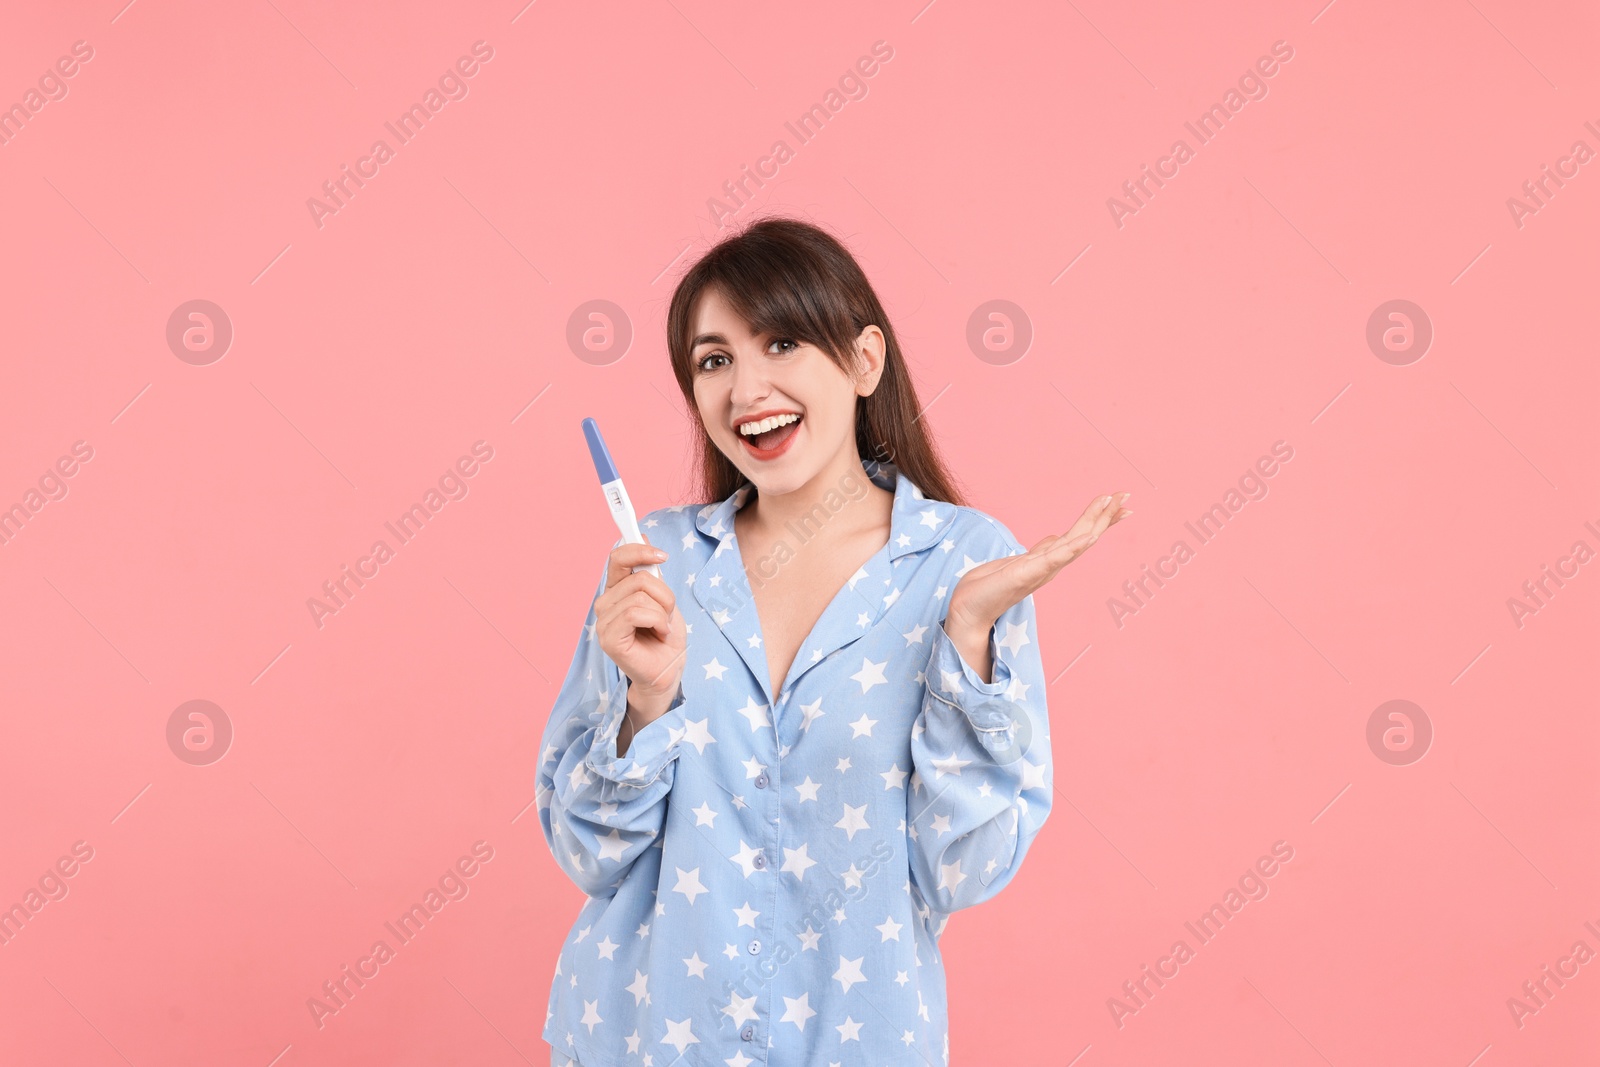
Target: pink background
431,312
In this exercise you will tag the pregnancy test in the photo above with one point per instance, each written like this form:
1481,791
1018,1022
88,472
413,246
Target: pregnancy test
616,492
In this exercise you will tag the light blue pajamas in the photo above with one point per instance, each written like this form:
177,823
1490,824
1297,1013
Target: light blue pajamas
769,871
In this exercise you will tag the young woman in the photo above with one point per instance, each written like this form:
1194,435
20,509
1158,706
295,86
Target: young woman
777,769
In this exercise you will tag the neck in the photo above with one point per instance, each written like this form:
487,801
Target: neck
842,485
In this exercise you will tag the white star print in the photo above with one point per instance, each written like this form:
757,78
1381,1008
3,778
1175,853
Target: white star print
797,1011
951,764
1016,636
640,981
756,713
740,1008
894,778
849,1030
680,1035
853,819
807,790
753,767
796,861
697,966
591,1014
612,846
714,669
704,816
747,915
698,734
746,858
1032,774
689,884
950,875
849,972
606,947
889,929
862,727
870,674
811,712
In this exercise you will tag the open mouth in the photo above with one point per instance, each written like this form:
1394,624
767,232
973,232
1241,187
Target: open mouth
772,443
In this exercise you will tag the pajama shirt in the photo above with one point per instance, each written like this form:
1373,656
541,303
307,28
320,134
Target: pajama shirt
769,866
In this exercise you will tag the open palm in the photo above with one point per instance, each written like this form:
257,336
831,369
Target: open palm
990,589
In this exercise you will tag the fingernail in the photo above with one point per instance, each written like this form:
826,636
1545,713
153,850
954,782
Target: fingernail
659,554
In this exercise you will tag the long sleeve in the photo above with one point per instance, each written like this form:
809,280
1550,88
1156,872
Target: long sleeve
981,759
599,811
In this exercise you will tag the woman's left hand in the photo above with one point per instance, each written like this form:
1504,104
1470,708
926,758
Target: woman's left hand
990,589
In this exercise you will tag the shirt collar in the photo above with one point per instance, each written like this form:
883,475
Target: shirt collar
915,522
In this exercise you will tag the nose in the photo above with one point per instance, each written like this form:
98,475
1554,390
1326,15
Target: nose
751,382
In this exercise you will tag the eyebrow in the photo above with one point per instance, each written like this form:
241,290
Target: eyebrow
707,339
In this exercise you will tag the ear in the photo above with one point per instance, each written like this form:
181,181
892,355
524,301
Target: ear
869,354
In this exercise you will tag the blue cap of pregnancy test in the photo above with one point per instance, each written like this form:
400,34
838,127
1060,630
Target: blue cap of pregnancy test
598,452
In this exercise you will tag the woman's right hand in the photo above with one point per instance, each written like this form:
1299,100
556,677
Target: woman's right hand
638,625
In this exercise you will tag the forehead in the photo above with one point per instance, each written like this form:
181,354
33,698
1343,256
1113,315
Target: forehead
713,315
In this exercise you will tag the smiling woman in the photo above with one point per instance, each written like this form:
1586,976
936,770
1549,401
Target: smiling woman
778,766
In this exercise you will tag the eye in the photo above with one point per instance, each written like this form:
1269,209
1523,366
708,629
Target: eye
701,365
784,341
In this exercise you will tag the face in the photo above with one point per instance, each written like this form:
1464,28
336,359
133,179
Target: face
742,378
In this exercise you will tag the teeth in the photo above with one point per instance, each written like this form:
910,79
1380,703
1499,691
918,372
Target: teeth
772,422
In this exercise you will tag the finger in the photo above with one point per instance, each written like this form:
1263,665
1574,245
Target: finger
650,618
629,598
641,583
654,588
621,625
613,618
619,585
624,558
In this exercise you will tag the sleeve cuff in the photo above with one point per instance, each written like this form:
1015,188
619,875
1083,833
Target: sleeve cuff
951,679
652,747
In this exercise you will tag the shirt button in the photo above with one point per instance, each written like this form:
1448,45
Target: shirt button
762,780
755,947
760,861
748,1033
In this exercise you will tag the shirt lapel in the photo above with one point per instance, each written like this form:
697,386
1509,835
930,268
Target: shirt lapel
722,586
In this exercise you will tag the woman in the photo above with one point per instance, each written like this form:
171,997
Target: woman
778,768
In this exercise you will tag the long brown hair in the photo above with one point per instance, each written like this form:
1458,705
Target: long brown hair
788,278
